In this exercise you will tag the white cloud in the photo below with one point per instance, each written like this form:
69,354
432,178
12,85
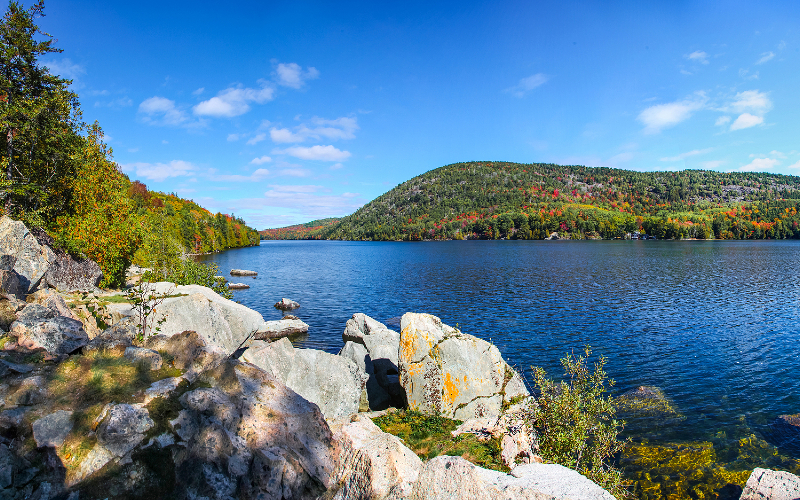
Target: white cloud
199,91
711,165
683,156
324,153
746,120
782,45
351,195
527,84
698,56
261,160
292,75
684,72
161,111
65,68
722,120
794,166
621,158
777,153
283,135
661,116
751,101
295,172
318,128
258,138
336,166
159,171
766,56
760,165
234,101
233,137
122,102
279,191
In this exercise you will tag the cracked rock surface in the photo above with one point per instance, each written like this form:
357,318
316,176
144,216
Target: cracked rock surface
447,372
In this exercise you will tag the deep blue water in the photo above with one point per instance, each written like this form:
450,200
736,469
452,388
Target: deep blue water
712,323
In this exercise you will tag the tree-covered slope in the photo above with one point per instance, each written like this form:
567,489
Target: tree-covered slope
513,200
298,231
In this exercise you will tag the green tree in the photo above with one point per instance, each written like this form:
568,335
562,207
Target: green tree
575,421
39,122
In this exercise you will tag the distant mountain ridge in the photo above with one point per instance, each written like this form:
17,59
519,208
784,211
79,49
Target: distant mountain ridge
492,200
297,231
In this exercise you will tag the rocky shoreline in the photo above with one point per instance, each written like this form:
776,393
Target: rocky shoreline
219,404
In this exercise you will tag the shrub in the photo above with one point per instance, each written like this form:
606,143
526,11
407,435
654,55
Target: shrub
575,422
189,272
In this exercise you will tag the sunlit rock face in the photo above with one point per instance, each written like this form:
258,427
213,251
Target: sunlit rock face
444,371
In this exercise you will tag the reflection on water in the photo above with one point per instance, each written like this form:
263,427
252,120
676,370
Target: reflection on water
714,325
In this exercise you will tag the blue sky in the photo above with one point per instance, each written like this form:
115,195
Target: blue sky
284,112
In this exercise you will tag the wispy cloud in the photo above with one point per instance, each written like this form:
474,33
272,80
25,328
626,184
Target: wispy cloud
751,101
713,164
794,166
257,176
261,160
161,111
722,121
760,165
746,120
766,56
661,116
235,101
159,171
525,85
324,153
318,128
65,68
292,75
256,139
683,156
698,56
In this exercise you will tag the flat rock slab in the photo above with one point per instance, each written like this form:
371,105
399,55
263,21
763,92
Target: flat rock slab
766,484
243,272
53,429
280,328
237,286
331,382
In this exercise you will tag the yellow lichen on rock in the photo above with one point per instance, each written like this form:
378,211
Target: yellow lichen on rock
450,390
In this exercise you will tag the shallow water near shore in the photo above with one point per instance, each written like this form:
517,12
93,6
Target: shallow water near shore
714,324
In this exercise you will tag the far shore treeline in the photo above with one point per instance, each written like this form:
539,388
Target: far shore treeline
59,175
495,200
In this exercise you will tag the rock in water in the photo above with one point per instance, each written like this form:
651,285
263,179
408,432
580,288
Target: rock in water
281,328
765,484
44,328
67,274
446,372
237,286
331,382
243,272
374,348
286,305
31,259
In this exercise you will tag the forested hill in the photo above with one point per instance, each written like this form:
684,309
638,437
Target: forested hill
298,231
491,200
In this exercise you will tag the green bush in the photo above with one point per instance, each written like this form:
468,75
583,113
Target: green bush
189,272
575,422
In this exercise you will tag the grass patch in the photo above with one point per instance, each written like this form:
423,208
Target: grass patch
102,378
429,436
4,339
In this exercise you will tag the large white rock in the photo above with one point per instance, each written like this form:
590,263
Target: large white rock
766,484
371,463
221,322
449,478
331,382
280,328
444,371
32,259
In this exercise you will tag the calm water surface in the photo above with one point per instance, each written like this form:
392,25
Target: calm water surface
712,323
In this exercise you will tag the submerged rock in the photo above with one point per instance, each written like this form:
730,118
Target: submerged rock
785,432
331,382
444,371
649,404
765,484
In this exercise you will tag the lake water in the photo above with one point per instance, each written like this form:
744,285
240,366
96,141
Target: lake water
714,324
